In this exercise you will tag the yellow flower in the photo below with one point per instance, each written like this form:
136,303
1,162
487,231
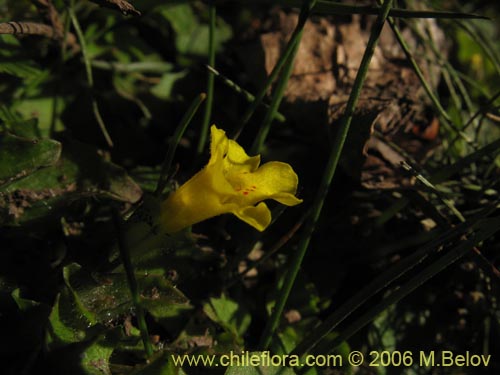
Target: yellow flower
231,182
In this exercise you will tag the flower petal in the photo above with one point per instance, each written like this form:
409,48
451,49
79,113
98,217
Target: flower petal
231,182
258,216
273,180
238,160
218,144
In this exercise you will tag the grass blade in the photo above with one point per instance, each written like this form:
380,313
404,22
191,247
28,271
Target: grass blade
307,6
326,7
88,70
275,102
330,169
210,81
240,90
392,274
487,228
179,131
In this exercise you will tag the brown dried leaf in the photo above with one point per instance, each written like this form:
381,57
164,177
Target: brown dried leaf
392,101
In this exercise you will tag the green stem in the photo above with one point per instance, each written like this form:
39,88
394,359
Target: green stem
275,102
132,283
339,141
179,131
240,90
307,6
88,70
210,81
416,68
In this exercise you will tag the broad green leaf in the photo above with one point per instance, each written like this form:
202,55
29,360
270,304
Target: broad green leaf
25,128
41,108
163,89
79,173
21,69
160,364
66,325
23,323
95,359
263,369
102,298
228,314
191,35
20,157
384,330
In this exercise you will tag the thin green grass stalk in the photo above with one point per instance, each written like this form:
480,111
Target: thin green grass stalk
157,67
240,90
329,172
385,279
132,283
455,98
475,116
275,102
440,176
60,64
416,68
435,101
179,131
460,86
473,83
489,228
328,7
489,103
307,6
449,69
484,43
210,81
447,202
88,70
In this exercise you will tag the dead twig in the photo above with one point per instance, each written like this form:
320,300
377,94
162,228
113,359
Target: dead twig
49,12
123,6
35,28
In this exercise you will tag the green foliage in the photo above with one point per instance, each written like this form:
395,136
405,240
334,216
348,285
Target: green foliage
359,278
20,157
228,314
261,370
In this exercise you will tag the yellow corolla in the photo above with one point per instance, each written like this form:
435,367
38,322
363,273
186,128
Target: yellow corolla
231,182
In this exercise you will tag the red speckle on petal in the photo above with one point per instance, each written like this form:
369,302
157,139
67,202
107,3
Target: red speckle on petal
245,193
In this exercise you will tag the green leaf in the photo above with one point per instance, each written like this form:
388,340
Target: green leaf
191,35
101,298
260,370
25,128
160,364
41,108
21,69
23,324
163,89
384,331
228,314
162,299
65,325
80,173
20,157
95,359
